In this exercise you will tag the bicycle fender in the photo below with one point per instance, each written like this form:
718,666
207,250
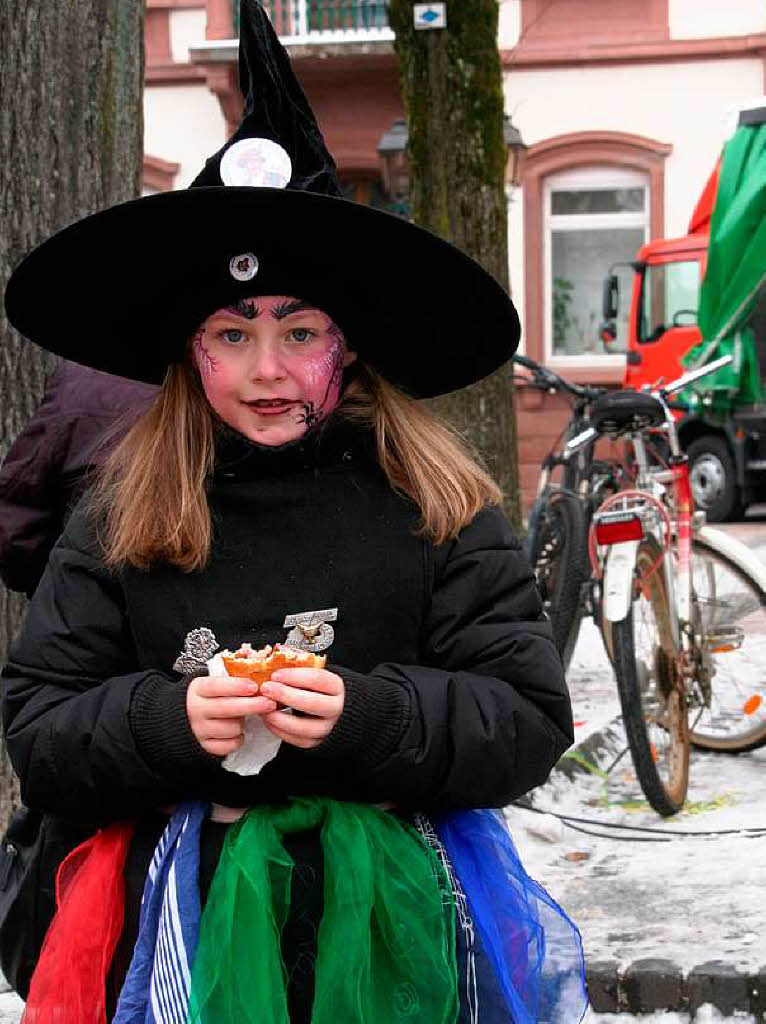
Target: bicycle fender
618,580
742,556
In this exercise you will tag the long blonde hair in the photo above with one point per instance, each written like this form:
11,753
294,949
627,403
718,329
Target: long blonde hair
151,495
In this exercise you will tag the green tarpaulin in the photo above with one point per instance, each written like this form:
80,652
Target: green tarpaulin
736,270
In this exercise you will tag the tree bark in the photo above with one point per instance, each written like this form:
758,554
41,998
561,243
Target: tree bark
451,82
71,135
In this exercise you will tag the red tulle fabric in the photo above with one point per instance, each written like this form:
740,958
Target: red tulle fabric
69,983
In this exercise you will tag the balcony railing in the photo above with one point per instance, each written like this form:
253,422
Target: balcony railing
328,20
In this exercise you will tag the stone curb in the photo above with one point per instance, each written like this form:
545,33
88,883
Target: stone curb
646,986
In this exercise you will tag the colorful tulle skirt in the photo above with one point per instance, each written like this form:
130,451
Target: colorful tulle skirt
424,920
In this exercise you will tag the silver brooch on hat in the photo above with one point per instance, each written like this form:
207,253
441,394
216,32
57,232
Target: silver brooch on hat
311,630
243,267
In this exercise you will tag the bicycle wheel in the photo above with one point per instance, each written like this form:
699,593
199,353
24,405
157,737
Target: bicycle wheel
652,696
558,551
729,709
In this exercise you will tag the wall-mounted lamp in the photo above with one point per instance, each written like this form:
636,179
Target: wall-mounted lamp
517,151
392,150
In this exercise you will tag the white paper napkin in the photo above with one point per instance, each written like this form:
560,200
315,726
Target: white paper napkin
259,746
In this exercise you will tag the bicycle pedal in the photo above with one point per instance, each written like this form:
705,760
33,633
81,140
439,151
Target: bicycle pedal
724,639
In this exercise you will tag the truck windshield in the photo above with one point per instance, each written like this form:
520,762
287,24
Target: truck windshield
669,298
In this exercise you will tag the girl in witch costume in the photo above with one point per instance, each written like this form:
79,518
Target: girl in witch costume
314,851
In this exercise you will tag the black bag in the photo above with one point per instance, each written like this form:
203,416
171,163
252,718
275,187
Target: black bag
31,851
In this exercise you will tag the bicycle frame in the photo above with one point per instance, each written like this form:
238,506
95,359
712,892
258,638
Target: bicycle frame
646,506
676,527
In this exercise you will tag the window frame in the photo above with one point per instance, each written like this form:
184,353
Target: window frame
594,178
566,152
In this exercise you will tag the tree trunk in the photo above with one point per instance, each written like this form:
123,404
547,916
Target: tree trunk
452,87
71,135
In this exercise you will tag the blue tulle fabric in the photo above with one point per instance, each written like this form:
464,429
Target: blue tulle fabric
535,949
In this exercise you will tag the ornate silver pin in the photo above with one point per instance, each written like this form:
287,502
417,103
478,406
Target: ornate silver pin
243,267
199,647
311,630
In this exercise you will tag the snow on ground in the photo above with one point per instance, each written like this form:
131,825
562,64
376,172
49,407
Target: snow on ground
687,899
11,1008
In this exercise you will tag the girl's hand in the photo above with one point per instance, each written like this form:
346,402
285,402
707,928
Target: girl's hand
217,706
316,693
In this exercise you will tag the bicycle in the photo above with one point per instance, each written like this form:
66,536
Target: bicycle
683,606
560,517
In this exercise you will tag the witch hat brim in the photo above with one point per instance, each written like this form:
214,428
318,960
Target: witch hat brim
124,289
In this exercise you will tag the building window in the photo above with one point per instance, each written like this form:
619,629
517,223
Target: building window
299,17
593,218
340,15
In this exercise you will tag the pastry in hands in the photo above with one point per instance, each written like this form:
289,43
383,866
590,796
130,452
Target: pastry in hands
258,666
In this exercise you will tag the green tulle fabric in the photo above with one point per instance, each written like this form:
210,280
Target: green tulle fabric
386,943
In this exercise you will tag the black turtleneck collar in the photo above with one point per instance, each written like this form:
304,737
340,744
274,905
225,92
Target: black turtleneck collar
336,440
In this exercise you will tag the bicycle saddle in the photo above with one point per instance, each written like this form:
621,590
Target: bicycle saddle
620,411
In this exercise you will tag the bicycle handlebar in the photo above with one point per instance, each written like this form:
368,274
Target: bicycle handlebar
547,379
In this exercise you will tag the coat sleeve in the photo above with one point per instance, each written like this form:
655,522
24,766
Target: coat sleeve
31,502
82,414
68,694
487,714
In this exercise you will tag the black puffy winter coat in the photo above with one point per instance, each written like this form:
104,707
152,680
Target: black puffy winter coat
454,692
455,695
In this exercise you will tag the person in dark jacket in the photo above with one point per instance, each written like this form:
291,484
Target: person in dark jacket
306,850
83,414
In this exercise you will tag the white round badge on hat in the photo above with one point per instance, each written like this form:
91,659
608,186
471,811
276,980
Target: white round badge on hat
259,163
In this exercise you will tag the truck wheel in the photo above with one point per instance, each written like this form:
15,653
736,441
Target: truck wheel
713,479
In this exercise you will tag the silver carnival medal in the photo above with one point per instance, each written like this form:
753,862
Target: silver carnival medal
311,630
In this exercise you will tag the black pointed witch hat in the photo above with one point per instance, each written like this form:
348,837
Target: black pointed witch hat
123,289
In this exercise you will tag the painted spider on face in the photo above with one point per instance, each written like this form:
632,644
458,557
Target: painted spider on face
333,362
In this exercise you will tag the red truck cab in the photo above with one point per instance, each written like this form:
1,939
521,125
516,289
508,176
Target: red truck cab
727,455
663,315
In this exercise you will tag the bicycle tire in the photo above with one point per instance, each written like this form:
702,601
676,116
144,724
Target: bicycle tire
730,689
558,551
652,697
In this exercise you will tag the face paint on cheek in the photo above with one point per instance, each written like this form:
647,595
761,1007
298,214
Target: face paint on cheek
206,363
323,378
